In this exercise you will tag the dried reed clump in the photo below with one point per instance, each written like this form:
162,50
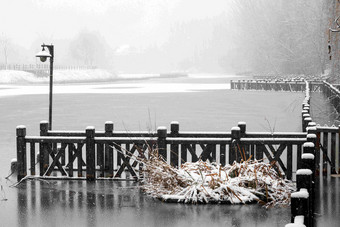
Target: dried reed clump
203,182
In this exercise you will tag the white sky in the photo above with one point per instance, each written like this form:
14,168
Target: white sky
121,22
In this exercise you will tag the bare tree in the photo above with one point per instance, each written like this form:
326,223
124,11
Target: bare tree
90,48
283,36
4,45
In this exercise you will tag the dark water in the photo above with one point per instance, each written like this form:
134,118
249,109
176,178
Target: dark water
80,203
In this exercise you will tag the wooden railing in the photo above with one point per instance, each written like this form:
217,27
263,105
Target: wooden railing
275,85
106,154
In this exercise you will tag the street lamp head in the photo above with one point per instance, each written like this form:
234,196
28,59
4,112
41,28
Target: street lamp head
43,55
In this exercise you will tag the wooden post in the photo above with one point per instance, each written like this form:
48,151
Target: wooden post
303,120
242,125
90,154
161,141
311,138
43,151
299,205
21,152
308,148
308,162
108,160
307,120
304,179
174,127
234,154
311,124
333,152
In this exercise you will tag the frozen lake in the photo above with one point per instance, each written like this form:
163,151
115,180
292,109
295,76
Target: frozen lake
199,103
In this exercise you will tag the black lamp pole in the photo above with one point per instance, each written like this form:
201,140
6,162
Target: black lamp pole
51,50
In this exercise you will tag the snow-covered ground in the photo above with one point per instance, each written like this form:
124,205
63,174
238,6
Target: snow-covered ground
59,76
13,83
11,90
92,75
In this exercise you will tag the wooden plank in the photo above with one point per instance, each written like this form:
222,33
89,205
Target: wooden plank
289,171
55,161
222,154
62,154
100,159
184,156
298,158
70,159
277,154
324,154
212,147
232,153
174,155
90,154
252,151
32,157
110,158
317,153
41,159
333,152
126,164
206,150
192,149
47,139
79,151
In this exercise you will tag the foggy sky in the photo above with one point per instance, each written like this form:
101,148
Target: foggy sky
121,22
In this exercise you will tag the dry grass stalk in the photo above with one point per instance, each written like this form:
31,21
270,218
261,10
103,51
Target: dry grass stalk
203,182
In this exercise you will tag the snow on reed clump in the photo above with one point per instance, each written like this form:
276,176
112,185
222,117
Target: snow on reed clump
204,182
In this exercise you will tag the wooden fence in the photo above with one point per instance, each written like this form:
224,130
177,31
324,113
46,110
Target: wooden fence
276,85
106,154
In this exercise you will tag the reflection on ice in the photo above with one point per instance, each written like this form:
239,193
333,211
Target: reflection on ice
107,203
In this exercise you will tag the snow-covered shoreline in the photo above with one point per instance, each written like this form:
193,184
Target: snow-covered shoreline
59,76
94,75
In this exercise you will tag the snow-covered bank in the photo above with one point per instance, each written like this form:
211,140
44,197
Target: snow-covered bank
109,88
59,76
97,75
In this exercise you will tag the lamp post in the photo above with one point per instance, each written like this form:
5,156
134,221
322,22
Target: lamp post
43,55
